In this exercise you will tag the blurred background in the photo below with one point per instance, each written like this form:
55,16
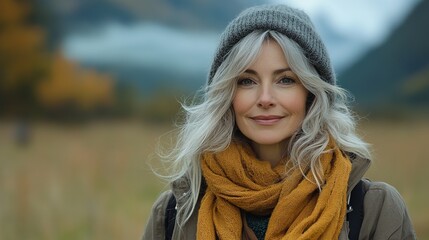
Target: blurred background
87,87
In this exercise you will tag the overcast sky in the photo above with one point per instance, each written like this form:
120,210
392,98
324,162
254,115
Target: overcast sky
349,29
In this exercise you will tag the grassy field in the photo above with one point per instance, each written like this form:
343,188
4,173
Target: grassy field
94,182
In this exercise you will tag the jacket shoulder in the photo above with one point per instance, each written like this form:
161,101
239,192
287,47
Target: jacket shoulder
155,226
385,213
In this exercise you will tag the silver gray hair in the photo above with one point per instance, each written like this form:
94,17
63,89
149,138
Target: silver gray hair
210,124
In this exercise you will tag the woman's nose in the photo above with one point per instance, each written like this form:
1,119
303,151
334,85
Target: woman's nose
266,98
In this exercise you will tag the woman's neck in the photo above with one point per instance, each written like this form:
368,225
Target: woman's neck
272,153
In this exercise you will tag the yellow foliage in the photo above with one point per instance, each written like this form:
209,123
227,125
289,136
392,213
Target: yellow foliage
12,11
68,83
21,46
27,68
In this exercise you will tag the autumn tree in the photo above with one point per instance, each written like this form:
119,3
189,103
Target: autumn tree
33,78
23,59
71,88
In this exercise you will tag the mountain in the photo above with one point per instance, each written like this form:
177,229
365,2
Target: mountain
196,14
395,74
213,14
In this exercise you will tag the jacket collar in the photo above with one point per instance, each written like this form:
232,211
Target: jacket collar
359,167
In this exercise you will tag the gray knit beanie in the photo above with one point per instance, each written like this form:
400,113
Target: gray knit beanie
293,23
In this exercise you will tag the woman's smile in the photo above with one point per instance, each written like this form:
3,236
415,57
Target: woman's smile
267,120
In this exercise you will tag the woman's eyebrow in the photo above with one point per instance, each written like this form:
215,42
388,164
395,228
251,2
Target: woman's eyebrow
251,71
276,72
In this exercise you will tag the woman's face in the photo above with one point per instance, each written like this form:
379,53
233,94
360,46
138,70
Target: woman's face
270,101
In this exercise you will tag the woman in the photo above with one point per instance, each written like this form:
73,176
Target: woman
271,151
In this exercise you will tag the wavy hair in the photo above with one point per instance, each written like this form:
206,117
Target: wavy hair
210,124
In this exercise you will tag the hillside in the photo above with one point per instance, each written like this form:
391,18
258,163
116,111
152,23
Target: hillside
395,74
208,14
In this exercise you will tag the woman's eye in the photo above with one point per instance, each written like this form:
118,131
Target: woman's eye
286,80
245,82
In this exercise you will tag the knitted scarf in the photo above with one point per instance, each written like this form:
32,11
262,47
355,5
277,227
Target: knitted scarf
237,181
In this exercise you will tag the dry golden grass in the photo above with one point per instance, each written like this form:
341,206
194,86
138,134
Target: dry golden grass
401,158
89,182
93,181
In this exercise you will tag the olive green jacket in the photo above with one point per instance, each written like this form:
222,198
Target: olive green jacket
385,213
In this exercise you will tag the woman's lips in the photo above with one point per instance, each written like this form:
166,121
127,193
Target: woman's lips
266,120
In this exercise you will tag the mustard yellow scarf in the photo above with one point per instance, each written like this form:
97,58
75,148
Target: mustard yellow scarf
237,181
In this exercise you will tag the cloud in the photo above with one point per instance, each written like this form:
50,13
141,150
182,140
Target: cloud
144,44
